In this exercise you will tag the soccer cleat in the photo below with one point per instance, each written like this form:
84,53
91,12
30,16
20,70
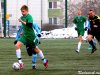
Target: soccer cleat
45,63
93,50
77,51
34,67
21,66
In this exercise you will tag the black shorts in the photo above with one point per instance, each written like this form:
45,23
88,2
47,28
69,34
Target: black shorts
30,50
95,33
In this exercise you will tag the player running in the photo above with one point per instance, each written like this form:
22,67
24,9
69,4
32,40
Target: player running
79,21
29,49
88,28
28,37
94,29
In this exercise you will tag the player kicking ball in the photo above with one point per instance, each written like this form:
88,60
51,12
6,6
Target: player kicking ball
28,37
79,21
29,49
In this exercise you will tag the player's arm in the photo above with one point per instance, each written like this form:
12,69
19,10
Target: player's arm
37,29
75,23
97,22
29,22
20,20
26,22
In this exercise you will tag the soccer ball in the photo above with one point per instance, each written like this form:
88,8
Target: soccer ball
16,66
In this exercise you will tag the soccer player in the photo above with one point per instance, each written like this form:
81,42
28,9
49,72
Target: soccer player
88,28
28,37
79,21
29,49
94,30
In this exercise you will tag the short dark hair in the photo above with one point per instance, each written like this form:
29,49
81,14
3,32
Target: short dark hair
24,7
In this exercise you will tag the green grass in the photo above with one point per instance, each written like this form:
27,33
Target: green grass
63,60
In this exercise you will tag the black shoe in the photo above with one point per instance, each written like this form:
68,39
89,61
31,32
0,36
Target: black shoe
93,50
77,51
34,67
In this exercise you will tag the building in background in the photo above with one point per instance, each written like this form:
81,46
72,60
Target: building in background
56,12
43,11
37,8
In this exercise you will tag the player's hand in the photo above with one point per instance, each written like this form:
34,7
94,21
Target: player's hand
75,28
21,33
15,42
19,20
39,35
95,26
85,29
89,29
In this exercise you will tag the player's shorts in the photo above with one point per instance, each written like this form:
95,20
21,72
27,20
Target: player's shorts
30,50
80,32
30,40
95,33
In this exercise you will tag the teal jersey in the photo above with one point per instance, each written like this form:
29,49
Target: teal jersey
79,21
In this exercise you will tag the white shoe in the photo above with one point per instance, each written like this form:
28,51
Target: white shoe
77,51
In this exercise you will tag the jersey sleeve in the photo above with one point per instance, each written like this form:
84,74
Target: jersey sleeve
29,19
84,19
74,21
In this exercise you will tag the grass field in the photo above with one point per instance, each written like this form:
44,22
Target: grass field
63,60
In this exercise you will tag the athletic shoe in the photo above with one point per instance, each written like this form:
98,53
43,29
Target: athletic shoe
34,67
45,62
93,50
21,66
77,52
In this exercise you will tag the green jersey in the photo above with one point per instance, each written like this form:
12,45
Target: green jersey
27,31
28,37
79,21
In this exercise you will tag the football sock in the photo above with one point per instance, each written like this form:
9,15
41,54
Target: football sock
79,46
41,55
18,54
92,44
34,57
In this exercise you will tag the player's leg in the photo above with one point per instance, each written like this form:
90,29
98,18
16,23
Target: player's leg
18,45
97,36
18,53
39,52
34,58
31,52
90,40
41,55
79,43
90,46
80,33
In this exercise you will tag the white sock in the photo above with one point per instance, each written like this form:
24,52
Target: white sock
79,46
18,54
41,55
